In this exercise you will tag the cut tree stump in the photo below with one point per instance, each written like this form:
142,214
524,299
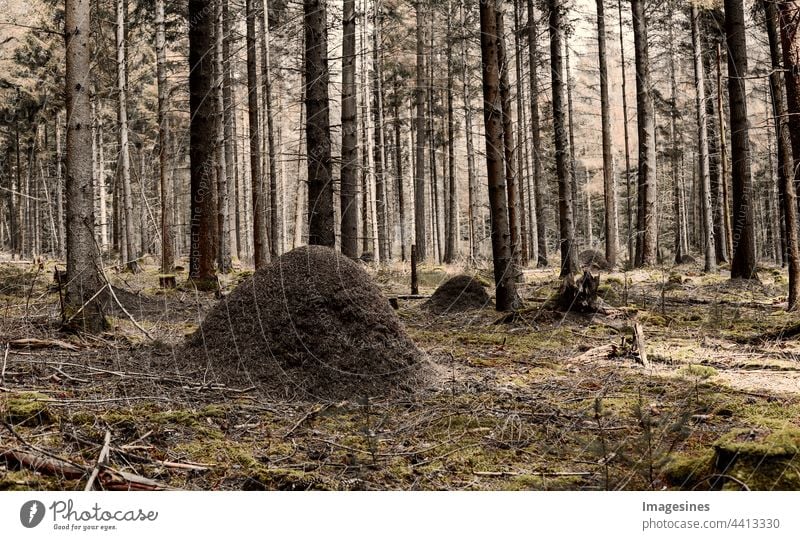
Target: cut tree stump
579,294
638,336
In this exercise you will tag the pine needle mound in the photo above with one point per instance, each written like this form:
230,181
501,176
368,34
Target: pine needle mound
591,259
311,325
457,294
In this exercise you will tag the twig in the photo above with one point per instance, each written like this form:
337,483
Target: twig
28,445
95,295
42,465
309,415
537,473
34,343
101,460
125,311
5,361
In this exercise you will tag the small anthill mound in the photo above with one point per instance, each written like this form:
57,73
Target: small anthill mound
459,293
591,259
311,325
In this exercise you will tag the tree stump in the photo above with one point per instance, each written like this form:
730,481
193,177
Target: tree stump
579,294
167,281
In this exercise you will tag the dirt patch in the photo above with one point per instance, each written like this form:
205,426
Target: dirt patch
311,325
459,293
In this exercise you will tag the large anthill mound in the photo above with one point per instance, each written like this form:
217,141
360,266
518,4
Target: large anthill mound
591,259
459,293
310,325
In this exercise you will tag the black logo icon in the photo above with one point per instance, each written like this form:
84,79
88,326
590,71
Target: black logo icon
31,514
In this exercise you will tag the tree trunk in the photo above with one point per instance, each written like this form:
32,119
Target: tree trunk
349,167
789,129
399,179
628,191
229,132
260,241
702,142
451,228
129,257
167,249
223,236
201,153
83,259
647,223
378,145
471,180
676,153
743,264
318,131
573,168
609,184
419,172
724,201
538,179
509,147
266,98
504,271
522,154
569,256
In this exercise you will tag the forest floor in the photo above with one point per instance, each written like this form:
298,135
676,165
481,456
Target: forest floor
546,401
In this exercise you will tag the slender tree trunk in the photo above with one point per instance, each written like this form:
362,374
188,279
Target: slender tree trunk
419,172
201,153
129,257
509,147
569,256
573,169
318,132
451,228
229,133
471,180
789,125
62,233
399,181
349,168
260,240
676,153
538,178
266,75
628,188
743,264
378,144
223,236
504,271
520,151
609,184
83,259
167,248
702,142
647,226
724,204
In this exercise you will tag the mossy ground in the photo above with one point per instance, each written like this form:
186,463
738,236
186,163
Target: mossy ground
535,404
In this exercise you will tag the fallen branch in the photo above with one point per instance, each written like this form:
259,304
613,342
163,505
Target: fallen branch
102,459
42,465
5,361
34,343
530,473
113,480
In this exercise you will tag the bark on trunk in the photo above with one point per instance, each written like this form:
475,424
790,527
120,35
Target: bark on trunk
201,153
83,259
318,131
743,264
349,168
647,223
569,258
504,272
790,40
702,142
609,184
